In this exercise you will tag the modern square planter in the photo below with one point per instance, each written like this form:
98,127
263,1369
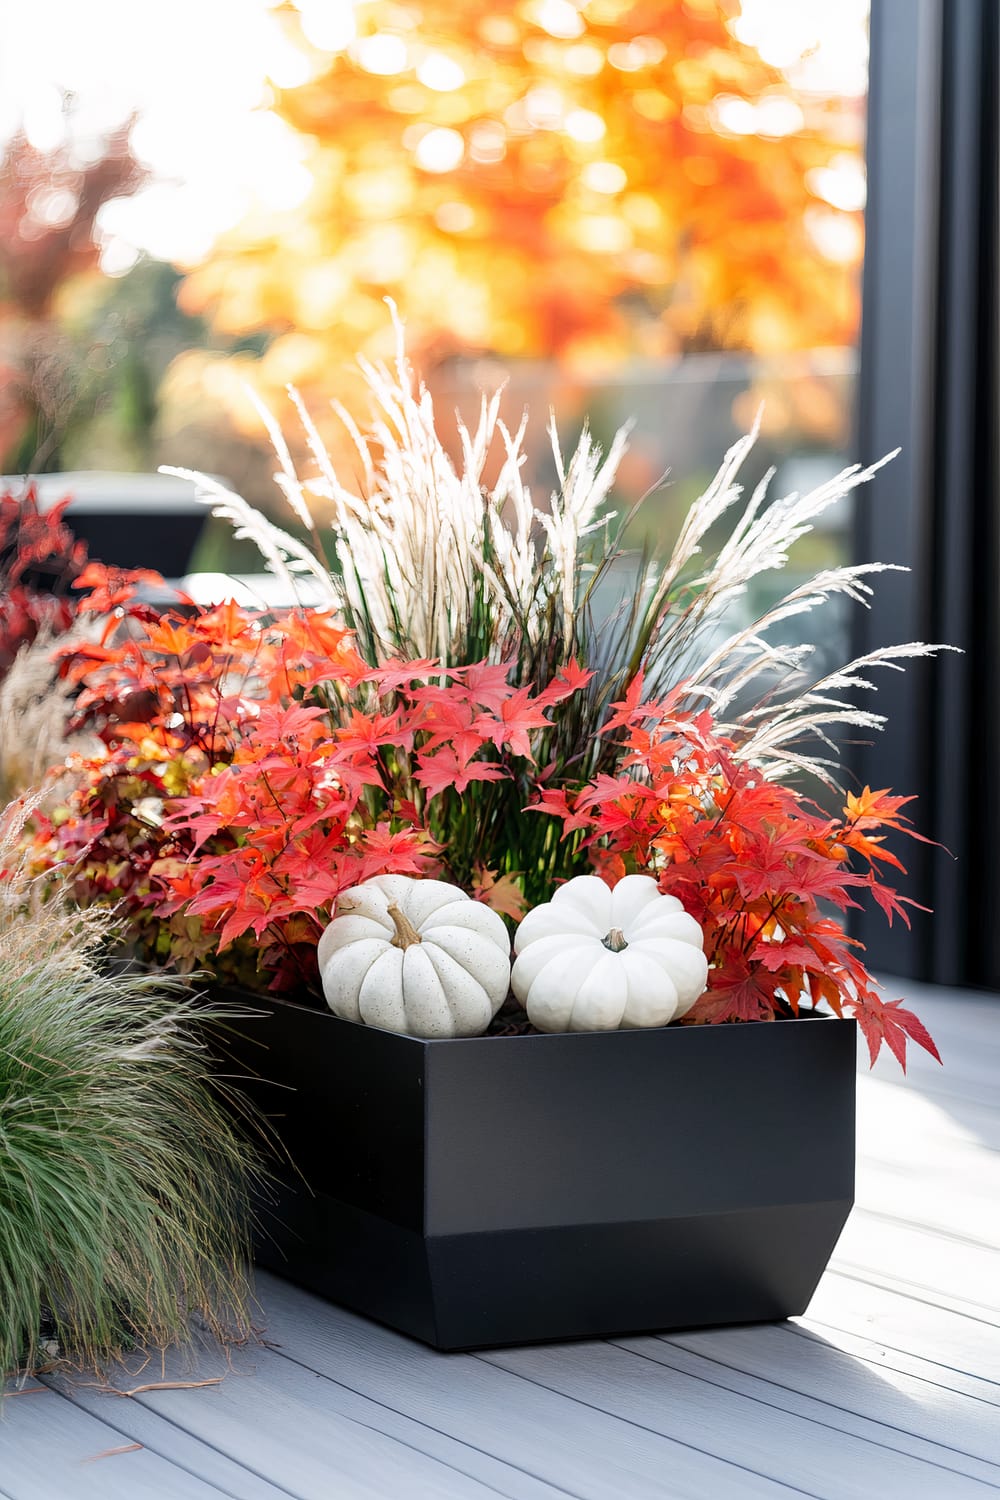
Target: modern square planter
505,1190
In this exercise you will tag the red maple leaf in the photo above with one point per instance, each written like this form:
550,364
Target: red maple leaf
443,769
395,673
369,732
110,588
625,712
485,684
772,862
824,880
890,901
276,723
407,851
610,867
445,715
787,953
887,1021
501,892
516,716
567,681
556,803
738,991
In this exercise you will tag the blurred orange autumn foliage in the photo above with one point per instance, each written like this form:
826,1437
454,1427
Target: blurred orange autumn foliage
583,179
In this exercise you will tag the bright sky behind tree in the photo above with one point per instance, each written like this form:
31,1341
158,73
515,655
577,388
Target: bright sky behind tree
196,73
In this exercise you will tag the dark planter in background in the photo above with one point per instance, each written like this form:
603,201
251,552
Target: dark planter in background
504,1190
129,520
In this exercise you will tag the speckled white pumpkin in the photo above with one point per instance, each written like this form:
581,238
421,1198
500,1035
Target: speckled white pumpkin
416,956
599,959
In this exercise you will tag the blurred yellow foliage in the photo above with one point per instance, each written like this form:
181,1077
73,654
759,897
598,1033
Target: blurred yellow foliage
578,179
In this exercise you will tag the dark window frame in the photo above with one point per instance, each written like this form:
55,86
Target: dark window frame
928,384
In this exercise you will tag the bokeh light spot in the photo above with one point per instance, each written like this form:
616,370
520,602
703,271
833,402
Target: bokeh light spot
640,52
559,18
837,236
604,177
841,184
734,116
778,115
584,59
440,72
585,126
454,218
383,54
440,150
488,142
602,234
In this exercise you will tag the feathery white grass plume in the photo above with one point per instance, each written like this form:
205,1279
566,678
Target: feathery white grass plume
430,561
287,479
426,545
284,555
35,704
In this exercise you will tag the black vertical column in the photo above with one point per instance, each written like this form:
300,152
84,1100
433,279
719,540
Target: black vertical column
928,383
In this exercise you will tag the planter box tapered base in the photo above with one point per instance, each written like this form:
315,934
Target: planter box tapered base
509,1190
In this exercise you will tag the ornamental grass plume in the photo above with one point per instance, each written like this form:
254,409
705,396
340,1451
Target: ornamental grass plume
124,1184
429,560
35,706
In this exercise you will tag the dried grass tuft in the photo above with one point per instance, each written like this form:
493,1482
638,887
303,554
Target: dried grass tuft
35,704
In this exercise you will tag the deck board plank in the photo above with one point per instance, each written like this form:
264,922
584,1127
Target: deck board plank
138,1422
897,1324
933,1266
371,1448
592,1454
744,1420
51,1448
802,1371
880,1357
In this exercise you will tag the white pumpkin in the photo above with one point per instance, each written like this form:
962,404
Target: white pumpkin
417,956
596,958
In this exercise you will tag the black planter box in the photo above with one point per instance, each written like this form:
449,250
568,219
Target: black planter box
505,1190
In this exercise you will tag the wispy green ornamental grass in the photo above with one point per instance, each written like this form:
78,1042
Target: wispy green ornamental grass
124,1184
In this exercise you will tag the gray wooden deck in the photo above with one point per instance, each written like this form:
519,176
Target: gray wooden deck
889,1386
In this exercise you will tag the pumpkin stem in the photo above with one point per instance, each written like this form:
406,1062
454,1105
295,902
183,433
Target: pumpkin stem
615,940
406,933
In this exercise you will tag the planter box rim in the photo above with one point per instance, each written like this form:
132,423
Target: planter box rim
264,1000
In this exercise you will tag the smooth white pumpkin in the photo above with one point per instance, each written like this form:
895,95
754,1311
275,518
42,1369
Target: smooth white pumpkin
599,959
417,956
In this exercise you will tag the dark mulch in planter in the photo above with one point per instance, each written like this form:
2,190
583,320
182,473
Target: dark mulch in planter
510,1020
